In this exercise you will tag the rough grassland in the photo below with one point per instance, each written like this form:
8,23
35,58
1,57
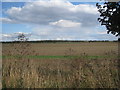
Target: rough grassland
77,72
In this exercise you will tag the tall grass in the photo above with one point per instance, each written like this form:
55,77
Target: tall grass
57,73
0,66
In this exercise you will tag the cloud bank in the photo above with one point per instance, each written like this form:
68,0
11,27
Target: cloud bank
57,19
44,12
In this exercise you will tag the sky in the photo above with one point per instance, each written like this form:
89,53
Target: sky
52,20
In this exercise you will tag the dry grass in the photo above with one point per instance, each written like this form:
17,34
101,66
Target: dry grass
62,72
0,66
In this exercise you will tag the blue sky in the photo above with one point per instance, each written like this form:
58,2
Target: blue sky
52,20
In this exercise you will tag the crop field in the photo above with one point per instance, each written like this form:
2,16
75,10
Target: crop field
60,65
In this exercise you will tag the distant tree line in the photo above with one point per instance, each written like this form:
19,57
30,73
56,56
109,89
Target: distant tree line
56,41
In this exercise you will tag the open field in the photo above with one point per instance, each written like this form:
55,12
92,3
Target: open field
60,65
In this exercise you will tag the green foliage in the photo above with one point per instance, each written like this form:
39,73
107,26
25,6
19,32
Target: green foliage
110,16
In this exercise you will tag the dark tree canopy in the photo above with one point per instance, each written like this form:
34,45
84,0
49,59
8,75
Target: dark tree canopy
110,16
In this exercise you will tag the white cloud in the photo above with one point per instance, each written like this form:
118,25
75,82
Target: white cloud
65,23
57,0
6,35
7,20
90,9
44,12
57,20
51,34
103,32
12,36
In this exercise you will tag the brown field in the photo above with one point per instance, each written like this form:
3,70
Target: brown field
79,72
